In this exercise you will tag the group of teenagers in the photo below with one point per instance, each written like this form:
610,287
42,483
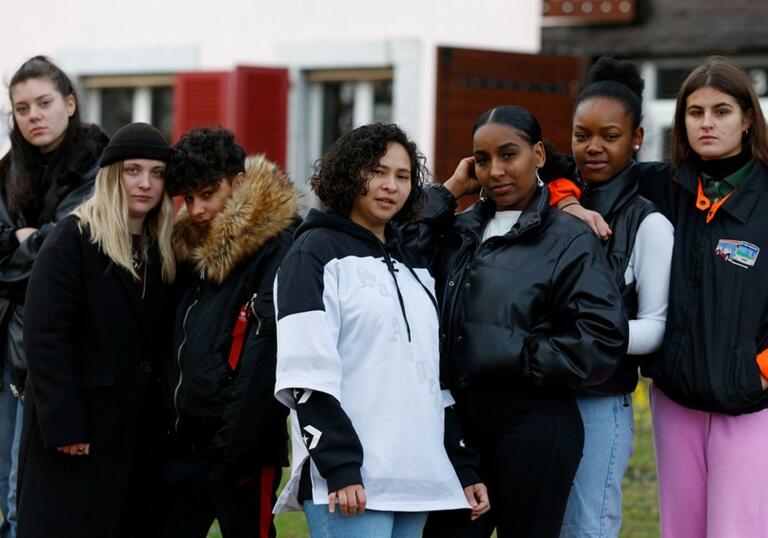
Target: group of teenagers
447,374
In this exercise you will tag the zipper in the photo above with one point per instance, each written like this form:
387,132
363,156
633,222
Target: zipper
144,282
450,297
178,362
251,306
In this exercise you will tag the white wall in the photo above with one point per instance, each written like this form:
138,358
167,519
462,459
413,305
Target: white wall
146,36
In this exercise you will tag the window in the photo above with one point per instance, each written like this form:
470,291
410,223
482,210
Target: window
663,79
115,101
340,100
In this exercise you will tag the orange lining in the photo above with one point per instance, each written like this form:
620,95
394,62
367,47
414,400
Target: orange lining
762,363
562,188
703,203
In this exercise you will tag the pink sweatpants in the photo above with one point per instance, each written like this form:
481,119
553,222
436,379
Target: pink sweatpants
712,471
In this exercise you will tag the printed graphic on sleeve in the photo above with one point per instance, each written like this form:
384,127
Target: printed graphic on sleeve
739,253
314,436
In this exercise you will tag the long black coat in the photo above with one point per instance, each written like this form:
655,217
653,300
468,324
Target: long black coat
94,350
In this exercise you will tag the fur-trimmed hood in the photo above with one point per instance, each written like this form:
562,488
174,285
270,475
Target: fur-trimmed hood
263,204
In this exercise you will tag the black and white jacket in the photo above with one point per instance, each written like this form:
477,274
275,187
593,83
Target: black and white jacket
358,364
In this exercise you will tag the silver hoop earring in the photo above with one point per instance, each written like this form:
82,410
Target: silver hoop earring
483,195
539,182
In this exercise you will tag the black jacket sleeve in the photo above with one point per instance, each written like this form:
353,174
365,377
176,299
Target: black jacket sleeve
465,461
654,182
16,266
330,437
586,333
54,303
8,241
436,215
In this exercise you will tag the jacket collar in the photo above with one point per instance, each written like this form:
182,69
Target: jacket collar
739,204
610,196
264,204
532,216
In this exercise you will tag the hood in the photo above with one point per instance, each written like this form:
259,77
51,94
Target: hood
263,204
330,219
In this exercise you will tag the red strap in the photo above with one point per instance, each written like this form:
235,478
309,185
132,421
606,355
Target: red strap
265,501
238,337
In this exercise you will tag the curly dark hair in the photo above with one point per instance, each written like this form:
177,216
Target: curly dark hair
201,158
344,171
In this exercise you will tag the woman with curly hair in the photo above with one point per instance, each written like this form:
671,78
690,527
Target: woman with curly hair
358,358
228,438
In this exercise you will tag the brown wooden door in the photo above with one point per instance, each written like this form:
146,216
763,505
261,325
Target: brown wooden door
469,82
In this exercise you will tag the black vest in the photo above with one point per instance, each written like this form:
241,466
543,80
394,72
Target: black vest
623,209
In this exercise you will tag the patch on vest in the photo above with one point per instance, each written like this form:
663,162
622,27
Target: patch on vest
738,253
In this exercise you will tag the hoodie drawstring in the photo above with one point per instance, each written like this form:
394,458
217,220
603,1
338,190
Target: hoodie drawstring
392,270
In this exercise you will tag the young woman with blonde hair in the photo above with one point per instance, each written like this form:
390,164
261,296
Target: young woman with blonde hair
96,332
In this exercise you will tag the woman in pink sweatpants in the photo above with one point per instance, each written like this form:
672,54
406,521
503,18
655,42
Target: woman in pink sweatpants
709,397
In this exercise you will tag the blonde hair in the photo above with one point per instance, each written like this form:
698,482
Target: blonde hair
105,213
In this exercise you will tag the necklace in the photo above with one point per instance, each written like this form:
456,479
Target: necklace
136,252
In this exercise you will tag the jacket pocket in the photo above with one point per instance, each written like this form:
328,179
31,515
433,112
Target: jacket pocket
206,386
96,380
743,388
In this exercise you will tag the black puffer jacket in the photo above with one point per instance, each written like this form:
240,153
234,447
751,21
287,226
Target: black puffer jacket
232,415
536,305
72,171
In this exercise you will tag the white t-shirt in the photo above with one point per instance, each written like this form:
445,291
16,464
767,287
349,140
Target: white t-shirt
501,223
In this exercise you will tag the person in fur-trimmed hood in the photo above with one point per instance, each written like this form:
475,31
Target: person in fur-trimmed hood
228,433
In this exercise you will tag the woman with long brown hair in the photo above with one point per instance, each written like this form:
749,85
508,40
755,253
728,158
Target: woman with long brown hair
48,170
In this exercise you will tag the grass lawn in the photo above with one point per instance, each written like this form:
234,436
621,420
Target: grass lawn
641,510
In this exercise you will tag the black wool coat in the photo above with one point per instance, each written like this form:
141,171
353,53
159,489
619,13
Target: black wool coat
95,339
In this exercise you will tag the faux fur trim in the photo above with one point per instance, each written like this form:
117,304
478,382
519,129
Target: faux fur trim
263,204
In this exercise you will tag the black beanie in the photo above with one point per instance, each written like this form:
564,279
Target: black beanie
136,141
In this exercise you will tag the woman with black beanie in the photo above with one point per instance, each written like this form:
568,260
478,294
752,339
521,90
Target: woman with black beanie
96,331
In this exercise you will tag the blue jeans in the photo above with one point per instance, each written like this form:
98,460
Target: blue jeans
371,524
594,504
10,432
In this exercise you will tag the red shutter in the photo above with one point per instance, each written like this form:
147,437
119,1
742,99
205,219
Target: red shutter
200,99
260,118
